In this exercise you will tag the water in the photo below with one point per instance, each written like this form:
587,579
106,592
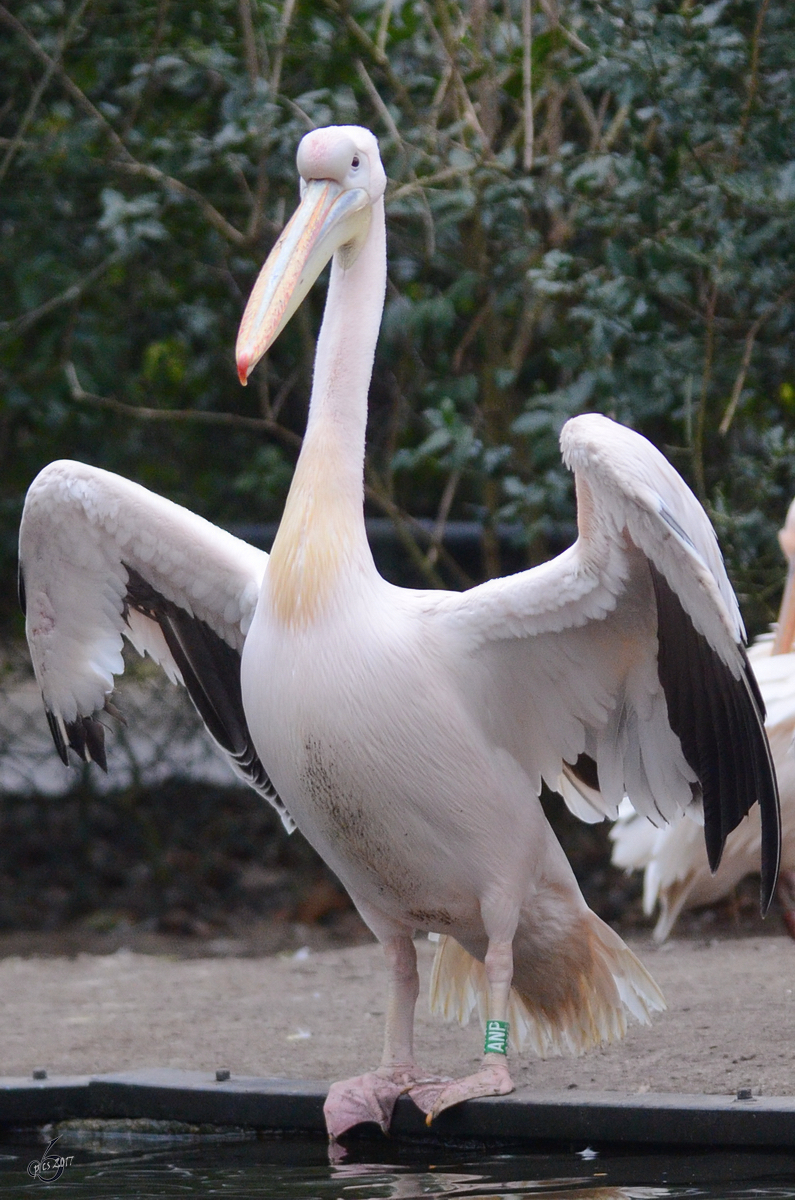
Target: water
103,1164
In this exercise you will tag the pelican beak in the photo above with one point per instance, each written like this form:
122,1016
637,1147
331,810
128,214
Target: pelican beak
328,217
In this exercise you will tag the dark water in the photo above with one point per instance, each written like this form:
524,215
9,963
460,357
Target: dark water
122,1164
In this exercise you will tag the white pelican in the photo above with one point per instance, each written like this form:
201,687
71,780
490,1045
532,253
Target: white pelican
677,873
407,733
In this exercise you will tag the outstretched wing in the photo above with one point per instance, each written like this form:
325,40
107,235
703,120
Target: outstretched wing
618,668
101,558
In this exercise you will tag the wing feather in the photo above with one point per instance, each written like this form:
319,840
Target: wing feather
102,558
627,648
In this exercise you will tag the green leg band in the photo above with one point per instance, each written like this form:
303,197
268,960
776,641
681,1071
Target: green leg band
496,1037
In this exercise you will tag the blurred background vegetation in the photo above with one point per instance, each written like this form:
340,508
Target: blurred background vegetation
590,208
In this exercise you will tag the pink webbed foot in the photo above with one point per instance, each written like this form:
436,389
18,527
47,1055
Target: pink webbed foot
369,1097
372,1097
491,1080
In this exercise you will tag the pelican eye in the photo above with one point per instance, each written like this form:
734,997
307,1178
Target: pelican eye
355,162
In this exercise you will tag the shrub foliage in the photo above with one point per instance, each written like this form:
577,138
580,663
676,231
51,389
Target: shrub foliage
590,208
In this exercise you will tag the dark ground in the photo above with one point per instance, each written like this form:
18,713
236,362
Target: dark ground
200,870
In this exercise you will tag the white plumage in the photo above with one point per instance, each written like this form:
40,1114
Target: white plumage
407,732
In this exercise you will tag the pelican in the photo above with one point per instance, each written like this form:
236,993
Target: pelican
406,732
676,871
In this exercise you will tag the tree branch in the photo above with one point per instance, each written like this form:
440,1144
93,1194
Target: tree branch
386,117
449,44
126,161
553,17
379,56
249,41
750,338
383,26
706,379
753,82
527,82
259,424
26,320
403,522
278,61
445,504
469,335
406,527
41,88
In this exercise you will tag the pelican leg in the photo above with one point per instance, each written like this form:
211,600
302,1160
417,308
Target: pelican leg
500,918
493,1078
372,1096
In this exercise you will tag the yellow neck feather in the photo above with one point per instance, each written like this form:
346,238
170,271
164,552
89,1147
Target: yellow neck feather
315,539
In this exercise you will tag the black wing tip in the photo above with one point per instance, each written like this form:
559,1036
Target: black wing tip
210,669
57,737
719,719
87,739
21,594
84,735
715,842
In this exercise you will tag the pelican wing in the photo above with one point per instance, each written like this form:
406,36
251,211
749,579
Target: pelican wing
618,668
102,558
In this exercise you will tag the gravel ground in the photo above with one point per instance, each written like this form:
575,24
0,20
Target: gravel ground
318,1014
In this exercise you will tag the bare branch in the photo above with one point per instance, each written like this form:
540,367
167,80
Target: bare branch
739,382
386,117
439,96
589,115
527,82
615,127
41,88
470,334
126,161
553,16
214,217
299,112
138,103
28,319
380,106
408,530
403,522
68,83
753,81
278,58
445,39
340,9
706,379
383,26
750,338
443,513
259,424
249,41
424,181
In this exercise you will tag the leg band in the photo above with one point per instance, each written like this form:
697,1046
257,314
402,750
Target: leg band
496,1037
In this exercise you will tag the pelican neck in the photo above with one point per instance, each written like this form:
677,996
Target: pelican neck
322,536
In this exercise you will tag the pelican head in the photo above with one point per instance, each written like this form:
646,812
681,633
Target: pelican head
341,179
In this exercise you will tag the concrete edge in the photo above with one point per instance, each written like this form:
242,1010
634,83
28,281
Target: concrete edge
297,1105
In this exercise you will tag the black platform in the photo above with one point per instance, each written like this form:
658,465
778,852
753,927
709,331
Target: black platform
297,1105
